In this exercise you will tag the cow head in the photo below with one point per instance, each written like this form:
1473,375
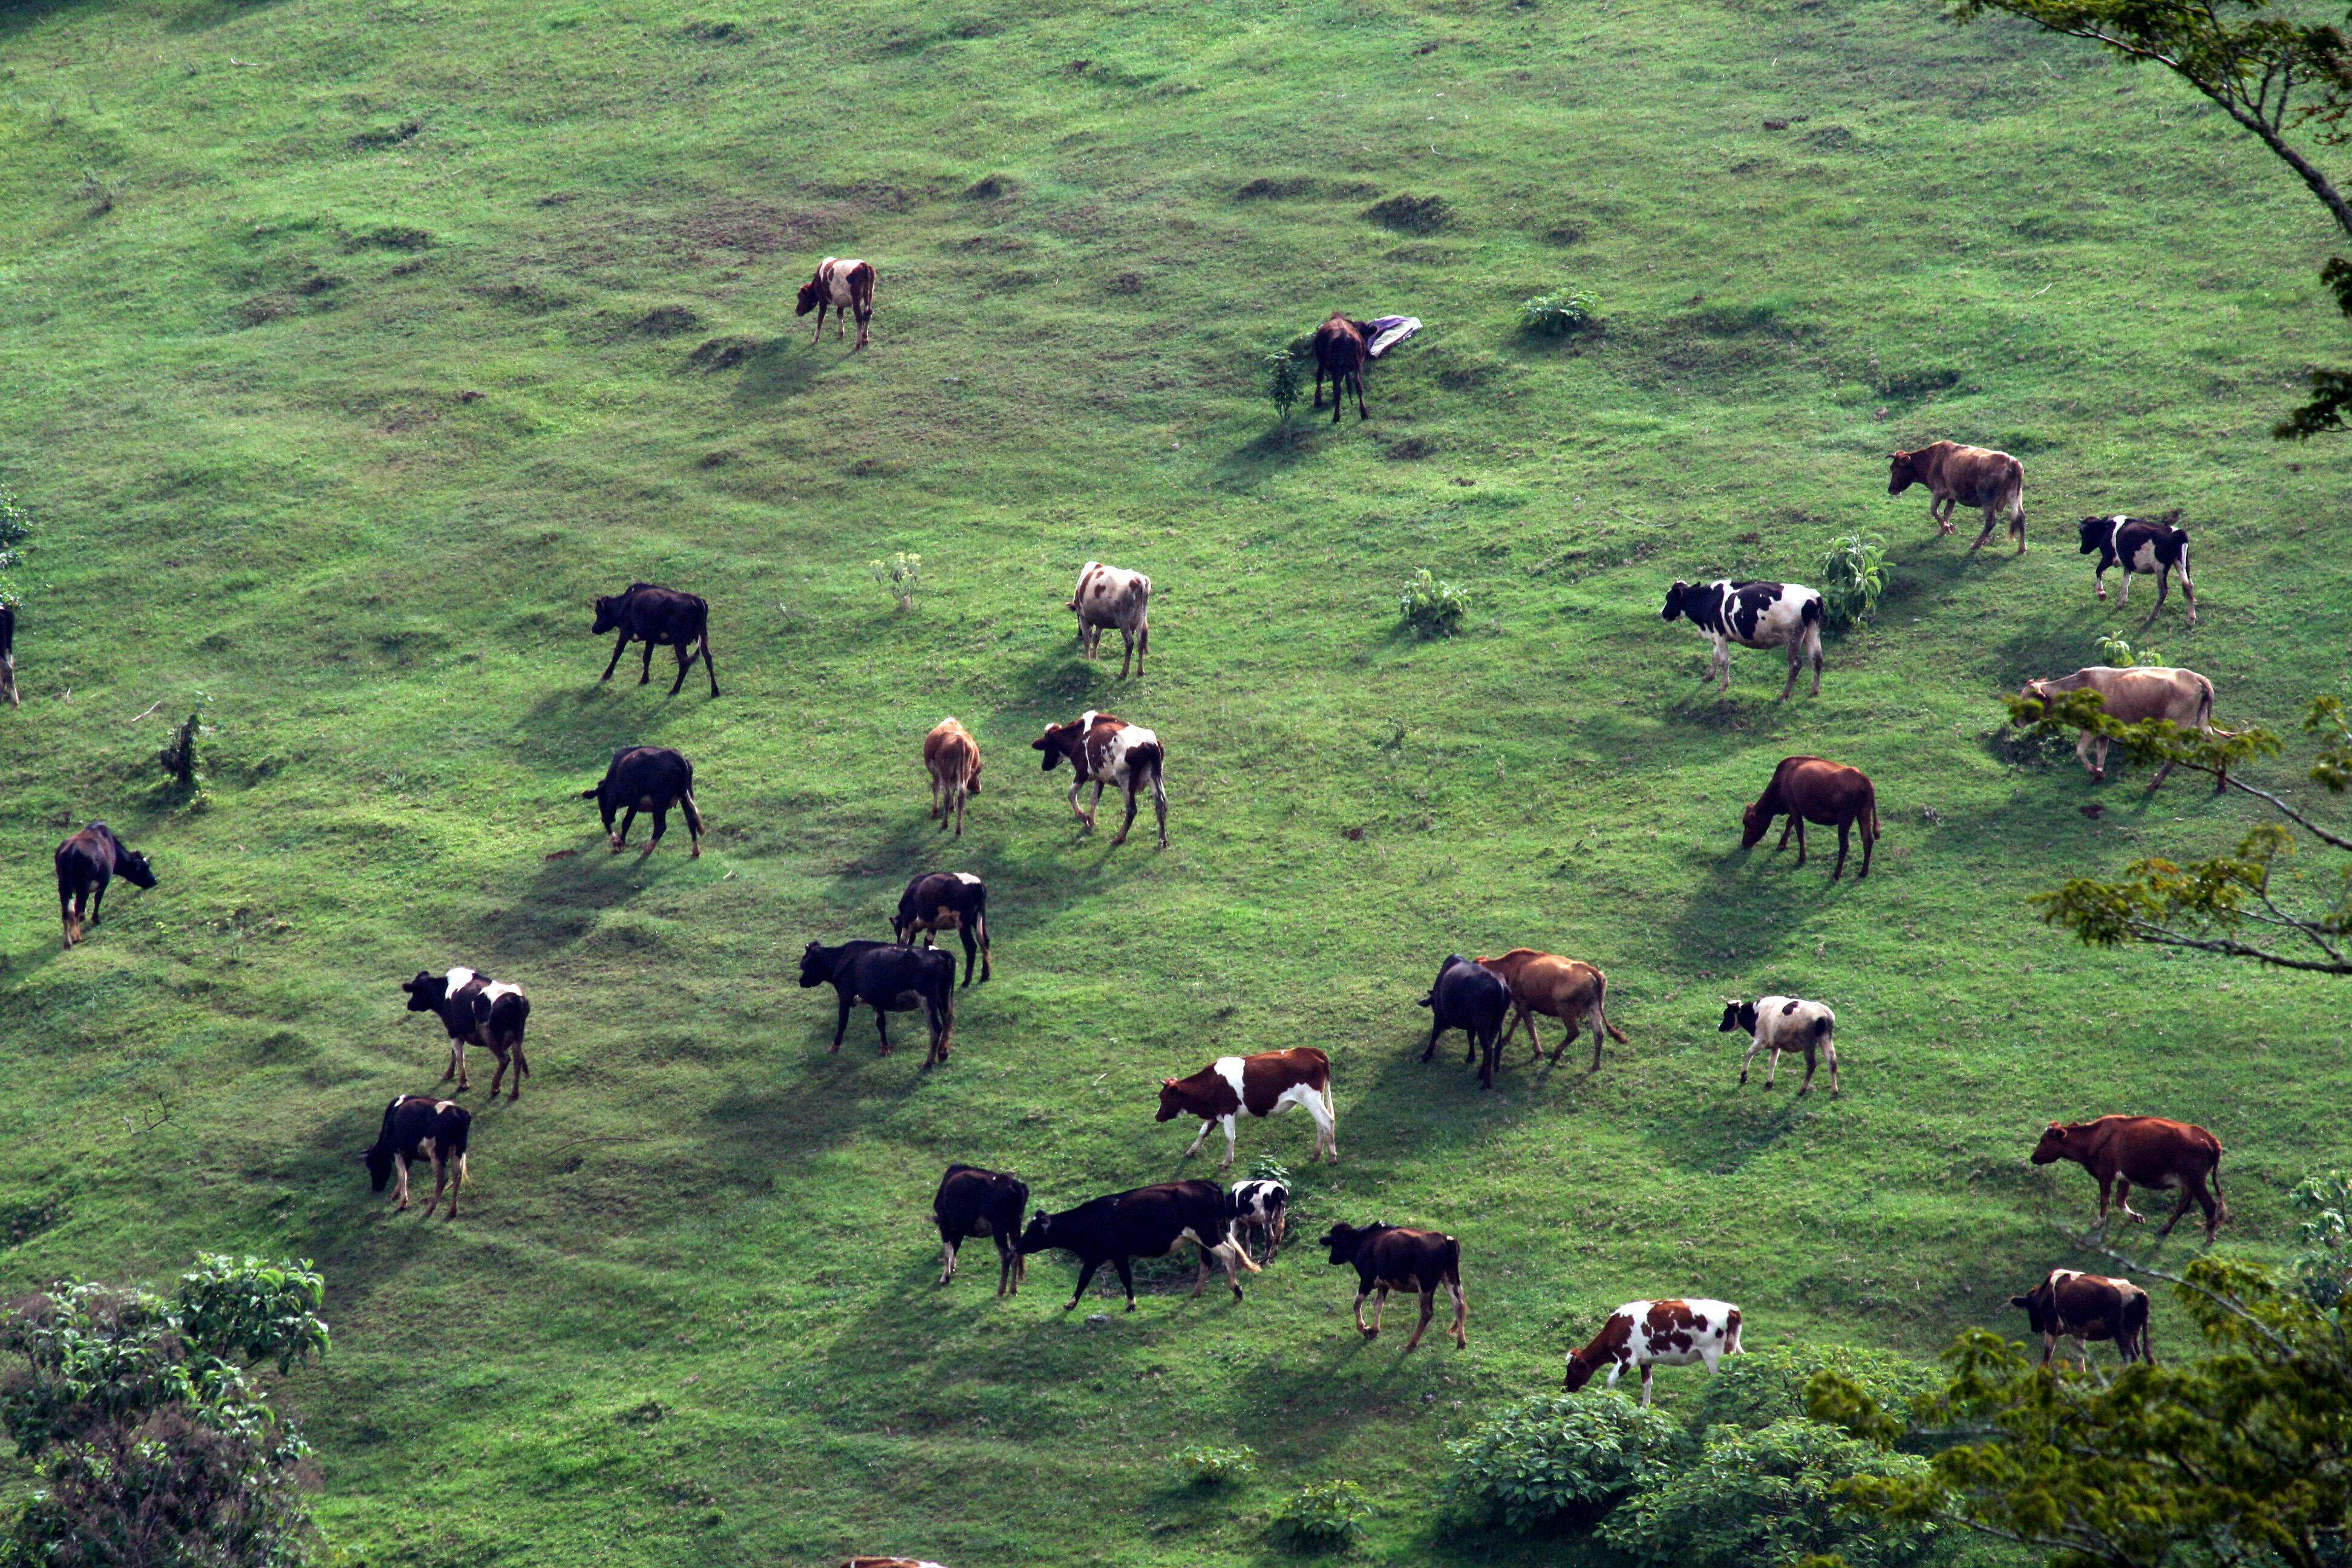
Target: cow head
2096,532
1581,1364
1738,1015
426,992
378,1161
1444,969
608,613
2053,1145
816,965
1755,822
1037,1235
1675,600
811,292
973,784
1171,1099
1344,1239
2033,691
133,867
2038,1307
1056,743
1903,472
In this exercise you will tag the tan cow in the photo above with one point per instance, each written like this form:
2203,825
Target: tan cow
953,758
2133,696
1964,476
1562,988
1110,597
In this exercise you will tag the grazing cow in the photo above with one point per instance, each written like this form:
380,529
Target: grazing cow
1232,1087
1558,987
658,618
1102,750
1753,615
646,778
1963,476
2085,1306
419,1126
887,978
1110,596
1145,1223
973,1202
1389,1257
945,901
1261,1208
1784,1024
8,655
2122,1151
1644,1334
1807,789
843,285
888,1562
1339,353
1467,997
953,758
2132,695
86,862
476,1010
2148,549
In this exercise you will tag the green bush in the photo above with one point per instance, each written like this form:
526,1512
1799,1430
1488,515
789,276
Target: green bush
1282,382
1331,1514
16,527
2325,1266
1554,1455
2117,651
1431,608
1765,1498
1854,575
1762,1387
1207,1467
900,576
1559,315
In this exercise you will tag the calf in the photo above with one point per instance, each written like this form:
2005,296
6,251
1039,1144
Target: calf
1260,1085
2132,695
1963,476
86,863
887,978
8,654
1753,615
1341,354
2087,1307
1389,1257
945,901
2147,1151
646,778
1784,1024
1467,997
658,617
973,1202
1148,1222
1261,1208
419,1126
952,759
1561,988
2149,548
1807,789
1644,1334
478,1011
846,287
1109,596
1103,750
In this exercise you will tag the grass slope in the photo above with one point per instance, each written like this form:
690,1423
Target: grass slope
412,326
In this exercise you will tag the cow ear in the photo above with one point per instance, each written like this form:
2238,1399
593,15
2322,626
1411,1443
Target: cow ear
2020,1301
1167,1083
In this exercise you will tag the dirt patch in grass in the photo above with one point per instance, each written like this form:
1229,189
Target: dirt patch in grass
1411,214
665,320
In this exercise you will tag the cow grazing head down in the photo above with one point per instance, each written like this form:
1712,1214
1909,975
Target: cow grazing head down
811,292
1037,1235
426,992
132,868
1738,1015
378,1161
1754,823
2052,1147
1903,472
2033,691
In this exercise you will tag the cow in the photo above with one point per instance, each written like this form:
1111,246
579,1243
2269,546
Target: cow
952,759
86,863
1341,354
419,1126
1809,789
1778,1023
476,1010
1148,1222
1110,597
1103,750
8,655
646,778
1261,1208
844,286
2153,549
1645,1334
658,618
888,1562
973,1202
1561,988
1468,997
2131,695
887,978
1389,1257
2072,1305
1753,615
2123,1152
1963,476
945,901
1232,1087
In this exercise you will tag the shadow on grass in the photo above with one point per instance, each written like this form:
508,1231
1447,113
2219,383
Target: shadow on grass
1272,453
782,368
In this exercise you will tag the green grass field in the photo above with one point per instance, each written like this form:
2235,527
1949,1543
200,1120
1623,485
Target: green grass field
413,325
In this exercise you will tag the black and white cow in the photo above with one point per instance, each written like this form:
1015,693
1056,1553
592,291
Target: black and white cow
1753,615
1148,1222
1261,1208
945,901
86,863
2147,549
477,1011
418,1126
646,778
887,978
660,617
973,1202
1468,997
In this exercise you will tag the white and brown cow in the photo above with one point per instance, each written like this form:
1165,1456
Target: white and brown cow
2132,696
2146,548
1260,1085
2070,1305
1644,1334
953,758
1103,750
1261,1208
1112,596
846,287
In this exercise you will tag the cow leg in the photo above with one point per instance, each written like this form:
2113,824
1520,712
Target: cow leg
1829,1049
66,915
1940,512
2187,1197
1129,654
1843,829
646,670
1204,1138
1461,1314
1786,829
618,649
816,336
709,668
1806,1087
1722,666
1126,1278
1318,384
1380,1306
1798,819
2188,589
2161,774
2163,586
1358,379
1144,646
1085,1277
2123,1202
1129,820
865,314
440,1176
661,825
1428,1311
1368,1334
2123,596
685,663
947,1246
98,902
841,1026
499,1076
961,796
1159,802
457,1064
1990,517
400,1188
971,954
1596,1037
1324,1131
1227,1163
1339,394
1010,1267
2099,578
1647,1367
881,1028
1771,1067
1796,667
1436,1029
1753,1047
1200,1275
628,820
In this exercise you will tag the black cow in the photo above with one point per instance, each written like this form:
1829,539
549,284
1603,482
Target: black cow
973,1202
947,900
2156,548
86,863
646,778
1389,1257
419,1126
887,978
658,618
479,1011
8,655
1145,1223
1753,615
1468,998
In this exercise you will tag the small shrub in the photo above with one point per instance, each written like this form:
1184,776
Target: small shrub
1431,608
16,527
1852,576
98,191
1554,1455
2325,1266
1558,315
1756,1390
1316,1517
1767,1498
179,754
1282,382
2117,651
1266,1168
900,576
1207,1467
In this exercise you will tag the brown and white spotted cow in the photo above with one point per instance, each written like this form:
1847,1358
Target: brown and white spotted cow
1111,596
1234,1086
953,758
843,285
2069,1305
1102,750
1657,1334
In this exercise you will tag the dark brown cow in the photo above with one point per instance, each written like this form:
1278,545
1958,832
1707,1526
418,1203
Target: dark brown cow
1562,988
843,285
1809,789
1964,476
86,862
1389,1257
1232,1087
1103,749
2087,1307
2122,1151
8,654
660,618
1339,352
945,901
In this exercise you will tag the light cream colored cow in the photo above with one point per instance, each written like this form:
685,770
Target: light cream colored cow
1109,596
2133,696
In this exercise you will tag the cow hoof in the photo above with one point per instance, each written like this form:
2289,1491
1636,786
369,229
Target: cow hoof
1371,1333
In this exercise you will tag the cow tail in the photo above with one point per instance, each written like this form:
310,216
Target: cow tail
1731,1333
1822,1027
2012,496
1601,1010
686,801
2136,1327
979,918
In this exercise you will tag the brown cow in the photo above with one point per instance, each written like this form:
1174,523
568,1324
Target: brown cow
1812,790
846,286
1103,749
953,756
2172,1156
1231,1086
1964,476
1560,988
2132,696
2087,1307
1339,352
1389,1257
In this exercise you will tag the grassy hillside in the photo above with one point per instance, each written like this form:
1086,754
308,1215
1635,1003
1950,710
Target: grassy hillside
412,326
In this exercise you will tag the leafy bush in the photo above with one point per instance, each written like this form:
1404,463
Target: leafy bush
1554,1455
1854,575
179,754
1266,1168
1762,1387
1329,1515
2324,1267
1282,382
1431,608
2117,652
16,527
1765,1498
1558,315
900,576
1207,1467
